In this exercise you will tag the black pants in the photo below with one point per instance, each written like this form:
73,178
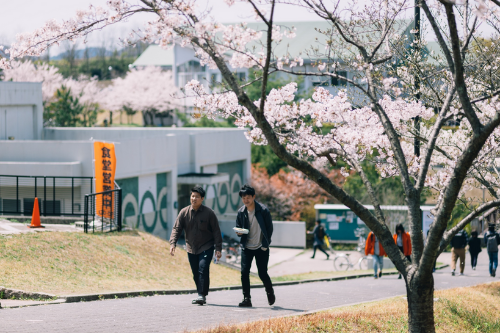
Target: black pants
261,259
200,266
403,252
473,258
318,246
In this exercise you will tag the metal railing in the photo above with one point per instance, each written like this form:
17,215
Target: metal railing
56,195
103,211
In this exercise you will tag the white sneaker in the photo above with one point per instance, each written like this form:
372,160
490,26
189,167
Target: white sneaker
461,274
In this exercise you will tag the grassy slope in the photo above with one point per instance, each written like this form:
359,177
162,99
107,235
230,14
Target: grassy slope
74,263
472,309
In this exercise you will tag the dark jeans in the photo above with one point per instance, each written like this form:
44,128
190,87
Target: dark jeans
261,259
403,252
318,246
493,261
473,258
200,266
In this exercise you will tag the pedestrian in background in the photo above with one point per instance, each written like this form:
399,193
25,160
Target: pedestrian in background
474,248
403,241
458,243
492,239
203,235
374,248
255,217
319,236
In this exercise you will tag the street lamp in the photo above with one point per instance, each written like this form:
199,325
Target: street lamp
416,39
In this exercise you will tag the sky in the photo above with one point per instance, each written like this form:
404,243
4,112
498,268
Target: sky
16,18
27,15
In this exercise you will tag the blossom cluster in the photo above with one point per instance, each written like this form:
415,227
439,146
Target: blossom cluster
85,88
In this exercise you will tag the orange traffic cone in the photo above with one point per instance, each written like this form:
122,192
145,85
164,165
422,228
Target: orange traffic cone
35,218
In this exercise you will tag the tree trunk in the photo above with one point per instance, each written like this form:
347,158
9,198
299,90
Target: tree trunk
421,306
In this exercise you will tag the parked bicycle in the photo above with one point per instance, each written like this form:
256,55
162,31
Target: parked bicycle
342,261
233,249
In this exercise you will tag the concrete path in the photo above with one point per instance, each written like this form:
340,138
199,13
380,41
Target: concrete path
7,227
302,262
176,314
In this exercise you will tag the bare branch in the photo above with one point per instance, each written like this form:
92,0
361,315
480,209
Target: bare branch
424,165
460,225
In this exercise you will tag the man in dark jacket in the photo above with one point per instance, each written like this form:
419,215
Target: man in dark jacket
492,240
474,248
203,236
458,243
256,218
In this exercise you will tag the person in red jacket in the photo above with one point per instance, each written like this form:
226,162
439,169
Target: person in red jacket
403,241
374,247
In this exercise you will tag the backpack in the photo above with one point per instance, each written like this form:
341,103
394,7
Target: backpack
492,244
321,232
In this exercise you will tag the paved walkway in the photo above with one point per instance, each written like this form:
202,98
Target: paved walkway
176,314
7,227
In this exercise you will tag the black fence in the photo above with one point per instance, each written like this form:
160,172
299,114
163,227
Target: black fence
56,195
103,211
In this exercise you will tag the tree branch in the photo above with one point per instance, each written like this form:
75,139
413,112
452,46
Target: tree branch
424,165
460,225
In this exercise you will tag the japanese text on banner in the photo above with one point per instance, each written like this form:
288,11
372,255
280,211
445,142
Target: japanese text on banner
105,166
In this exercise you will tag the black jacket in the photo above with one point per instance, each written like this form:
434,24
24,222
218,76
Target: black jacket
263,216
460,240
474,245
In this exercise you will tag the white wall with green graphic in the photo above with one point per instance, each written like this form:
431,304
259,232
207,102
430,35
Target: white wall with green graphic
148,200
146,203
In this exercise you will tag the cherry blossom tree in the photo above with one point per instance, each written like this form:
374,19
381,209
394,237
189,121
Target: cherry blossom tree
149,90
27,71
398,124
86,91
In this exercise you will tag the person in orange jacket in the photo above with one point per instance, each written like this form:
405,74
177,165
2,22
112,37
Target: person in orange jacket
374,247
403,241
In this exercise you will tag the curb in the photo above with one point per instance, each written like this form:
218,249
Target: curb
125,294
19,294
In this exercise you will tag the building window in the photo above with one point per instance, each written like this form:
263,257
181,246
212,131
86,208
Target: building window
339,82
241,76
190,67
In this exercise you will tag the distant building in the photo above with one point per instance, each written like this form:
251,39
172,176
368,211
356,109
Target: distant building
186,66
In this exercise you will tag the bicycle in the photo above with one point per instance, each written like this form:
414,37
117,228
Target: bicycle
342,262
233,249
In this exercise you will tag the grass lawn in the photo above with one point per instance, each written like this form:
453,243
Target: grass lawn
65,263
471,309
322,275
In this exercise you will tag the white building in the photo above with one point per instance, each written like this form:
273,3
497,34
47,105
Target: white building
156,167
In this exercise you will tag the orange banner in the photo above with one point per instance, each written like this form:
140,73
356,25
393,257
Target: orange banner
105,166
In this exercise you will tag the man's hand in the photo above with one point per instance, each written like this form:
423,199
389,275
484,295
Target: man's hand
218,254
172,250
239,234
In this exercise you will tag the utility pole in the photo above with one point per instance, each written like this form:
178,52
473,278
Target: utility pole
416,48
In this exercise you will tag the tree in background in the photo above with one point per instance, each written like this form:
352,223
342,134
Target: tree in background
149,90
101,62
78,97
290,196
65,110
394,118
28,71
